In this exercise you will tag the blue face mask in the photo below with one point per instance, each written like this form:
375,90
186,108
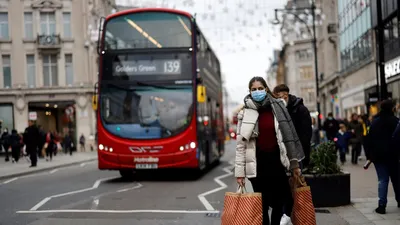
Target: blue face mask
258,95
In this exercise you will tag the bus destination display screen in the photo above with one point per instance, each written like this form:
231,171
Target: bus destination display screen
147,67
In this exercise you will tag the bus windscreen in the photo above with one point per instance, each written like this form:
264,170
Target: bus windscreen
148,30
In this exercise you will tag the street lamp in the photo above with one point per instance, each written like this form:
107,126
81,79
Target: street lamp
306,10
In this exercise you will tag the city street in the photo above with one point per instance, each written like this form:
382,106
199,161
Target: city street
82,194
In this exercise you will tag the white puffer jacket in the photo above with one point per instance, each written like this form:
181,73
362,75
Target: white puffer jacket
245,162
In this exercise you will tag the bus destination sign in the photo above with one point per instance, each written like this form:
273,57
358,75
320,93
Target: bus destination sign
147,67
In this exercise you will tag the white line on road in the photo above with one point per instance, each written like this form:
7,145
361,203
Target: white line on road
53,171
132,188
83,164
119,211
10,180
95,185
202,197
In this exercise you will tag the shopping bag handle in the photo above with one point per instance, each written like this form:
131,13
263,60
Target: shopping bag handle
297,183
241,189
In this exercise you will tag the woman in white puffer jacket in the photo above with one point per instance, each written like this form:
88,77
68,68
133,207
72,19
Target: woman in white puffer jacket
267,146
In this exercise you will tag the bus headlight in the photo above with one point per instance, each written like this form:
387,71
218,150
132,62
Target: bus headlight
192,145
101,147
105,148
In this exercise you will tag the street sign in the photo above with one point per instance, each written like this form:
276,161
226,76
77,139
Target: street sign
32,116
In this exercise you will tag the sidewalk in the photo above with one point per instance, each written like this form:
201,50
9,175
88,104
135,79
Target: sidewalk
364,193
9,169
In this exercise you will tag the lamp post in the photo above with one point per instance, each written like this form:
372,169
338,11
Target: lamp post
314,41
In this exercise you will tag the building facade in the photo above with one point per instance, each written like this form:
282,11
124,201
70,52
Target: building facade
272,71
327,45
357,70
48,59
391,45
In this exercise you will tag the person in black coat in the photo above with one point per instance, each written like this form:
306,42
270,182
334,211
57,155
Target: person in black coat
31,139
381,150
301,119
15,144
302,122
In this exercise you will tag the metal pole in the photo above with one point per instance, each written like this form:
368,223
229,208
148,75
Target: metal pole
381,54
316,65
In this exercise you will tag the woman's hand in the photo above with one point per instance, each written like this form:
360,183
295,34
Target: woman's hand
240,181
296,172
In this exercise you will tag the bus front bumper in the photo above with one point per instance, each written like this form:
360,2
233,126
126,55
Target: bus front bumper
115,161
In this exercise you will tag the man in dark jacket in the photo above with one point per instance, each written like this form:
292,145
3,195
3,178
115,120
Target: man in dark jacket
31,139
356,141
331,127
300,116
382,151
302,122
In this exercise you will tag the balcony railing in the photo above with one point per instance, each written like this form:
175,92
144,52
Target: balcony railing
49,41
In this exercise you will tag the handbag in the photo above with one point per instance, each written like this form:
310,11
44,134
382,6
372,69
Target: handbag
242,208
303,208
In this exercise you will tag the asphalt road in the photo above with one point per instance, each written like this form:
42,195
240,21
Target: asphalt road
83,195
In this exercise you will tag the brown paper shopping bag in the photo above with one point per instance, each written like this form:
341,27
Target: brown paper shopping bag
303,208
242,208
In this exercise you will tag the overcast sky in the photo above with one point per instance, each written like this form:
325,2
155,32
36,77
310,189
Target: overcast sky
238,30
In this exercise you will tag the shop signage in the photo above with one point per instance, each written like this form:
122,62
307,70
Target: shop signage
392,68
32,116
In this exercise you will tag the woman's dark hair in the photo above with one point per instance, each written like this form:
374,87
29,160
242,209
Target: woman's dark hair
263,82
387,105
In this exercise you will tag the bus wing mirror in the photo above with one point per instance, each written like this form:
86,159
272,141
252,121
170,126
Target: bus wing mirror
201,94
95,97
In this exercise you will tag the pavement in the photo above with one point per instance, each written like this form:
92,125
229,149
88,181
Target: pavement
81,194
11,170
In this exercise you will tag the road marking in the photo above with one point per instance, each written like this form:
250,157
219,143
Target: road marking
83,164
119,211
53,171
132,188
95,185
10,180
95,204
202,197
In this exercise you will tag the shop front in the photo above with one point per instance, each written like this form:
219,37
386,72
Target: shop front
353,101
392,74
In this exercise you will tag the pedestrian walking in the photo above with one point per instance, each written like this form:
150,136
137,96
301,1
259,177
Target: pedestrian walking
356,141
31,139
15,145
331,127
383,151
6,143
267,146
342,141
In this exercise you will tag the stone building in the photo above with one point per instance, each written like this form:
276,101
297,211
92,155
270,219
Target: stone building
49,63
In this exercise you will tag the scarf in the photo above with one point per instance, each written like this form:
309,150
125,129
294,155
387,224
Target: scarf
289,135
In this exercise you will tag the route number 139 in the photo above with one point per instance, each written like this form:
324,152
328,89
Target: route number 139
173,66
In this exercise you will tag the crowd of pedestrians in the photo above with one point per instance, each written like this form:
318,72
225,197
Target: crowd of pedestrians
276,134
36,143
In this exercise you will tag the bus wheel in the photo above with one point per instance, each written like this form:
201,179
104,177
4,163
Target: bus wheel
127,174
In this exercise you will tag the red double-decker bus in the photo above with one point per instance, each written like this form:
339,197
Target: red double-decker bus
159,93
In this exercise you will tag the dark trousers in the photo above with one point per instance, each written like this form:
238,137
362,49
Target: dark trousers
6,151
16,152
385,171
32,154
272,183
342,154
50,151
355,152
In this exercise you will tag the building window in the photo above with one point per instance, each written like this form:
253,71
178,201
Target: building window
308,94
69,70
6,71
306,72
4,26
67,25
7,116
28,25
50,70
31,70
303,55
47,23
332,28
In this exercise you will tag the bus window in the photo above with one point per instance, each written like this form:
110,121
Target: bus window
148,30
